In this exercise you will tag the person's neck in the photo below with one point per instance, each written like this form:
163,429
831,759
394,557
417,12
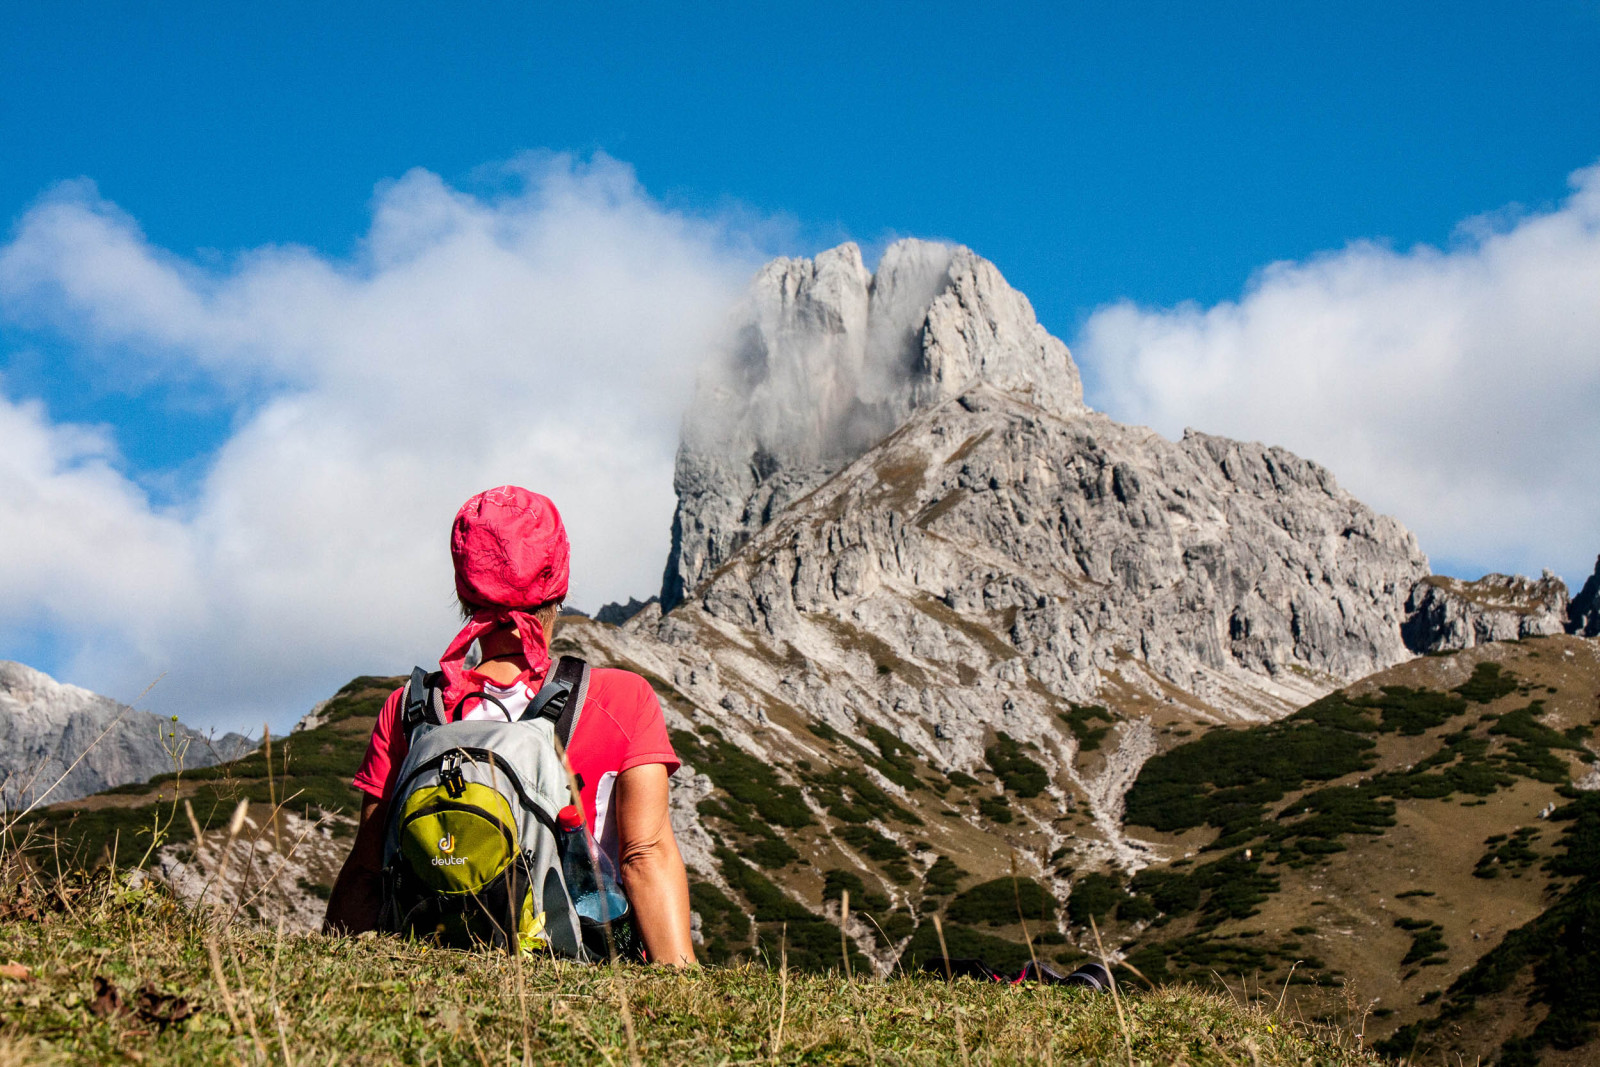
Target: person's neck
503,671
503,658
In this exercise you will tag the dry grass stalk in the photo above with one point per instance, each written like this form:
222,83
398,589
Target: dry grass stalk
844,942
783,988
1116,997
944,950
235,824
1016,894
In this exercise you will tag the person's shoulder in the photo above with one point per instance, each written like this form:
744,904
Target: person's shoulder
391,706
615,683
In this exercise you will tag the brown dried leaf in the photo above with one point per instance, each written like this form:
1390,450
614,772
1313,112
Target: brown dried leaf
163,1009
107,999
16,972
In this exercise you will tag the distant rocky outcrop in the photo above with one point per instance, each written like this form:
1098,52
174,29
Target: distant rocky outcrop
1583,614
1447,614
615,614
46,726
312,719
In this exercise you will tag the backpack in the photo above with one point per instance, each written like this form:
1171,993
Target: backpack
484,844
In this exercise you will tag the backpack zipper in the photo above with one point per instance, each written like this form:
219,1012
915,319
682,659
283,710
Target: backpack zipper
499,761
471,809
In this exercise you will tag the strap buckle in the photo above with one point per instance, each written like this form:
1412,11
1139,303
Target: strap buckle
450,776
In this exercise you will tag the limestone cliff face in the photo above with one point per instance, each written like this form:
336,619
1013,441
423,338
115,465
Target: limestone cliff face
826,360
901,531
46,725
1447,614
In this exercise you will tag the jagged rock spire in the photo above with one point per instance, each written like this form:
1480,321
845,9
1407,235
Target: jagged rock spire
825,359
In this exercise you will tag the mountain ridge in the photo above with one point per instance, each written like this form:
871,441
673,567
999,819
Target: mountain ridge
62,742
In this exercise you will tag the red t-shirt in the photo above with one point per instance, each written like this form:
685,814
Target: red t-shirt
619,728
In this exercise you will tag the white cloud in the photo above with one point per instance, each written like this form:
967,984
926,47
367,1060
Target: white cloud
547,338
1456,389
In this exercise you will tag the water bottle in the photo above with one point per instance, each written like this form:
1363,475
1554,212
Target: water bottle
590,875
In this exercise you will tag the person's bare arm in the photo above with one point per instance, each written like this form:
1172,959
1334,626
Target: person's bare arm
357,895
652,869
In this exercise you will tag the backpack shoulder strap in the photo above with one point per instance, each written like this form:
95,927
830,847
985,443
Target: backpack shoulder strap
422,701
561,697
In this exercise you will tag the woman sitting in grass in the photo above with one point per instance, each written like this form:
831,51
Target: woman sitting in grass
511,563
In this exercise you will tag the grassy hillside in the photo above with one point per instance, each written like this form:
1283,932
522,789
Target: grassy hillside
311,1000
1414,841
1411,849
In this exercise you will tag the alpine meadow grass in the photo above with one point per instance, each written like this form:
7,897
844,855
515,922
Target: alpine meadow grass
112,969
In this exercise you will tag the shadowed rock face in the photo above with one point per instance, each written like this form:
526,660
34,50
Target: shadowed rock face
825,361
1448,614
1583,614
46,725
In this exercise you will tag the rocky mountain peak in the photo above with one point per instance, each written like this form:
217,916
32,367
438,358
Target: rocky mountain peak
46,726
824,360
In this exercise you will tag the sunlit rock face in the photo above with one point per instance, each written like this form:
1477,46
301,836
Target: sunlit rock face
824,361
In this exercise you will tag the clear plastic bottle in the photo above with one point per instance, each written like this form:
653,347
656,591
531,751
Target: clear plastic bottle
590,875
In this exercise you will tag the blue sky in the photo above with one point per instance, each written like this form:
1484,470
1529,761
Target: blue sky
1155,151
1133,156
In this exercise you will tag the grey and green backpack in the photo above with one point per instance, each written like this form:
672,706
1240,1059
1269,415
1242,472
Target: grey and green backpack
484,846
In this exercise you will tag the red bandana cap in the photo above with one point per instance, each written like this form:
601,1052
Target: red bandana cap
510,552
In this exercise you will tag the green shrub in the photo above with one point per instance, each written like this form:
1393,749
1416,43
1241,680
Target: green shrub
963,943
1079,719
839,881
1427,940
1093,897
870,843
1507,853
895,758
770,852
746,779
942,878
1489,682
768,901
1137,909
995,808
723,924
997,903
1022,775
